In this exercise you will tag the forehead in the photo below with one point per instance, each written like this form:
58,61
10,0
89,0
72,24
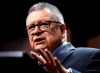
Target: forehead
37,16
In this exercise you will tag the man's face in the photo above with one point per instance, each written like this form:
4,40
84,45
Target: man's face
49,39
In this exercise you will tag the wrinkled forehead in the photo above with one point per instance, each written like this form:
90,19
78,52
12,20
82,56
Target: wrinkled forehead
38,16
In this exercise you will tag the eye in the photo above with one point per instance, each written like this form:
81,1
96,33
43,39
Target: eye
44,23
31,27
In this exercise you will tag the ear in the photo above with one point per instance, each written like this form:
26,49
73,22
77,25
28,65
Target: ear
62,28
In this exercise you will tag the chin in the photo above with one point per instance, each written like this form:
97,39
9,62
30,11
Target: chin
40,47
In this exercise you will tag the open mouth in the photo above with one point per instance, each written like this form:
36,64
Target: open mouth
39,40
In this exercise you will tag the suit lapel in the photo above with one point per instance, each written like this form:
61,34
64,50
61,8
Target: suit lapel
64,52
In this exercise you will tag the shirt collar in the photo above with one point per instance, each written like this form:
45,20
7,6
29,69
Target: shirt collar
61,46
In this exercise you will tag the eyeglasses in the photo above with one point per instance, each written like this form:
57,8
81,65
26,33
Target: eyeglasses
43,26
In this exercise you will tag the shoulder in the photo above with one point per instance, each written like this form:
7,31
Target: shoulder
87,50
81,54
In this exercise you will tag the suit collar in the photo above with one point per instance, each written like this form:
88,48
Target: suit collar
64,51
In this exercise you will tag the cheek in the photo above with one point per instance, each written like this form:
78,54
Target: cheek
31,42
53,41
53,38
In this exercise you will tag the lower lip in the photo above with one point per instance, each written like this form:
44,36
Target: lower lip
40,42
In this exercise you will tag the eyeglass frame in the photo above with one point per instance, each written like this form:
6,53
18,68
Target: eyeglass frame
32,28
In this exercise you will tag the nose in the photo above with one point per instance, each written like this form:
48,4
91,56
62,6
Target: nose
36,31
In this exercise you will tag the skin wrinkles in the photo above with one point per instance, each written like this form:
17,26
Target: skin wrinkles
46,43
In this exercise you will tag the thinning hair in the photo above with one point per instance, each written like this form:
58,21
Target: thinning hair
56,14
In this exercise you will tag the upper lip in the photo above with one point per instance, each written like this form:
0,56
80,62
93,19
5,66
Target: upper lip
38,39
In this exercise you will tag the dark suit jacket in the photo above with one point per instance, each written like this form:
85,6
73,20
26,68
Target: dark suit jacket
84,60
80,60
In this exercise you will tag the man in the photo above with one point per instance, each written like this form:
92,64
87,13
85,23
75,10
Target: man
47,37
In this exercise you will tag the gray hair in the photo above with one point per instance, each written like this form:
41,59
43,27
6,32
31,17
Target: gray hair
57,15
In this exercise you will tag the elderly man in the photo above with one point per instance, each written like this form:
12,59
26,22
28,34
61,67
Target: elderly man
47,36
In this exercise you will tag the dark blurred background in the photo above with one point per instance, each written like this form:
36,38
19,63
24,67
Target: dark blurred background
81,18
